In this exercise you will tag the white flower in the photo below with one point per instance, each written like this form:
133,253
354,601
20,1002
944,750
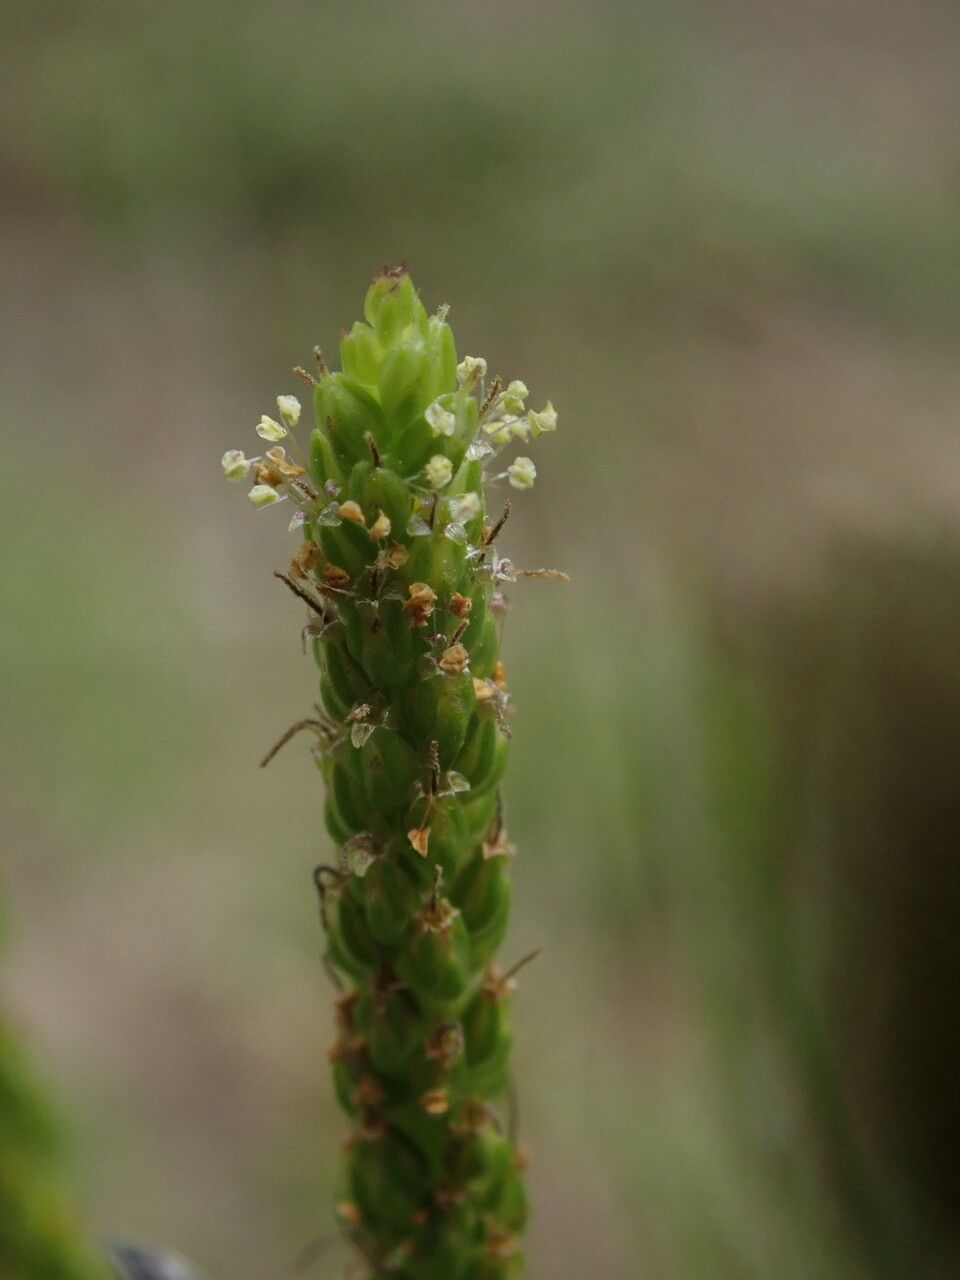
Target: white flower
519,428
514,396
522,473
470,370
289,407
439,471
545,420
261,495
441,421
465,507
270,430
235,464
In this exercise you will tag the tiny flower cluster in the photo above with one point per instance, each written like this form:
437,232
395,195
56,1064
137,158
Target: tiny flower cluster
273,470
505,417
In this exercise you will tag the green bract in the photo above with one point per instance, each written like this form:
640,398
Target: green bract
399,568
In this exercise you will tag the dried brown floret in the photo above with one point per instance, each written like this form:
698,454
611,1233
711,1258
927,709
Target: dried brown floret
381,527
369,1092
454,661
351,511
308,557
349,1212
436,1102
282,464
419,837
334,576
421,603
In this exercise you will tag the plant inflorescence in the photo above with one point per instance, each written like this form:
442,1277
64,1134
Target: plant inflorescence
400,571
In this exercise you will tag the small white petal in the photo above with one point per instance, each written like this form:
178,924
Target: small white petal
456,782
417,527
330,516
456,533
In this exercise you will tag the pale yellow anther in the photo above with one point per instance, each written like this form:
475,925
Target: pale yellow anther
289,407
438,471
470,370
270,429
522,473
235,464
262,495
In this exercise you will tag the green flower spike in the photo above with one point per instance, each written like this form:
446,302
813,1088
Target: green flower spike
404,585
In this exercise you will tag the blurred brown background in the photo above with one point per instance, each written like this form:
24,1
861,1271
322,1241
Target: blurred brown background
725,239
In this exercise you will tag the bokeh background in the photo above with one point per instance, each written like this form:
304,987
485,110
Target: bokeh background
725,239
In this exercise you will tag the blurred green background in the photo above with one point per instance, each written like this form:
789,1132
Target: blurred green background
725,239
